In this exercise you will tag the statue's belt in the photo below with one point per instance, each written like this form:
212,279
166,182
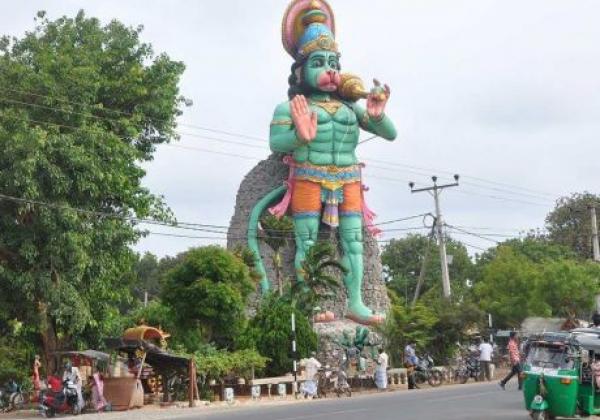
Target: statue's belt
330,177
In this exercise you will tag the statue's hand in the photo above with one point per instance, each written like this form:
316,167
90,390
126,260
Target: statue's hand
304,119
377,100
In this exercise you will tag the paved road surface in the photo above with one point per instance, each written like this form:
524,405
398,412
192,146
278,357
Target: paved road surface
461,402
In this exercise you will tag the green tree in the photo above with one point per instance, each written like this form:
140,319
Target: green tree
569,223
208,290
569,287
270,333
534,277
319,270
509,288
82,106
403,260
147,277
407,324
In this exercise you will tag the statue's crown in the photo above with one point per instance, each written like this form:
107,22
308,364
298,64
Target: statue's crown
308,25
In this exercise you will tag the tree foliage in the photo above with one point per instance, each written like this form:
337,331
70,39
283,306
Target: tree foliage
320,270
403,260
514,286
569,223
270,333
407,324
207,291
84,105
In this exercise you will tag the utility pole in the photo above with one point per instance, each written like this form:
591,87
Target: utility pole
295,367
595,245
435,192
424,262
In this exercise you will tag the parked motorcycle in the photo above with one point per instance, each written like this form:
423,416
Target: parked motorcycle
471,368
425,372
59,399
11,397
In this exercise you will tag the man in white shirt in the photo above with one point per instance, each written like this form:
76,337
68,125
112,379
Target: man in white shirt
381,371
312,366
485,358
72,374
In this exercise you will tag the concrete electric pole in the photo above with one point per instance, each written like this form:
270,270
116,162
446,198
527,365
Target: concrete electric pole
595,245
435,191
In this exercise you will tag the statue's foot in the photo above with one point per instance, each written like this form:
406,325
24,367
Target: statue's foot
326,316
374,319
363,315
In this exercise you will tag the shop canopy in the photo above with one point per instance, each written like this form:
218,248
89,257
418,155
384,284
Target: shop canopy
155,356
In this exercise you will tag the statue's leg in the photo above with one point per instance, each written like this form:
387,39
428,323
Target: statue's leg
306,208
351,238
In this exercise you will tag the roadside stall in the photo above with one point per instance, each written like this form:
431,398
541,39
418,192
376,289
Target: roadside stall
143,369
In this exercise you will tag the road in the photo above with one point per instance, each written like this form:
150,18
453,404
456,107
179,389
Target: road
458,402
461,402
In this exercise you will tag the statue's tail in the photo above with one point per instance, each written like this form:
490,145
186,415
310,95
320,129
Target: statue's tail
257,211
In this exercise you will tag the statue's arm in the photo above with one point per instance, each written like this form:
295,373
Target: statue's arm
383,127
282,136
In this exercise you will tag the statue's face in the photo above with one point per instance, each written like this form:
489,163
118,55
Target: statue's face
322,71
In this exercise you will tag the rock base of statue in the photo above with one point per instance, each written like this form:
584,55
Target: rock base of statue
263,178
333,340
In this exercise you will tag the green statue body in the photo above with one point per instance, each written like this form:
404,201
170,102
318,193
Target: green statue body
319,128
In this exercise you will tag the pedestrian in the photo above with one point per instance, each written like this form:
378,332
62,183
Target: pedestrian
485,359
381,370
98,400
410,362
515,361
36,374
312,367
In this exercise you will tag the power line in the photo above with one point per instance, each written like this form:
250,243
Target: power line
129,114
240,135
466,232
464,176
463,191
184,226
473,246
503,190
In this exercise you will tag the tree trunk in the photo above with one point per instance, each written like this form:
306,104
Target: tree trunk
49,339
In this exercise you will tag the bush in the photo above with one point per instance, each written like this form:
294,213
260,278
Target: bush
270,333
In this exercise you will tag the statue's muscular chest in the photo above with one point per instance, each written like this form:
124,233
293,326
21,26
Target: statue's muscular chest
337,125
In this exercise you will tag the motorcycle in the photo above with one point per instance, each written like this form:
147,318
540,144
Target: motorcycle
425,372
11,397
60,400
471,368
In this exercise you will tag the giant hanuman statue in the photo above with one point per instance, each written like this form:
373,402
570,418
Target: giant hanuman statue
316,133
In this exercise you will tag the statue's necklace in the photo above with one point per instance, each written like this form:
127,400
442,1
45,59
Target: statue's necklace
330,106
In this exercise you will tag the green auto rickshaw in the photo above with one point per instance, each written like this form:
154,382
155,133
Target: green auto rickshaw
558,378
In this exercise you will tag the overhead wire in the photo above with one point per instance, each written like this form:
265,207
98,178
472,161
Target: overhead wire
463,191
185,225
240,135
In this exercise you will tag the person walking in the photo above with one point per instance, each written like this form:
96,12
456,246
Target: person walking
515,361
410,362
485,359
381,371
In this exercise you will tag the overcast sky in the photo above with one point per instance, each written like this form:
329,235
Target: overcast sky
505,93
